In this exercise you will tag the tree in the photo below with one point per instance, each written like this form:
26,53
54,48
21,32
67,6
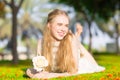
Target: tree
117,22
115,19
15,9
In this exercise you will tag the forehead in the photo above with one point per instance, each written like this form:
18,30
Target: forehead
61,19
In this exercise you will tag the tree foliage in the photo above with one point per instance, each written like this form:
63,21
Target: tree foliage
98,8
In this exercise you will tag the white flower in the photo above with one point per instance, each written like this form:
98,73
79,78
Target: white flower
39,62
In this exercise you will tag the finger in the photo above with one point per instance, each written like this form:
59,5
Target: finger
78,27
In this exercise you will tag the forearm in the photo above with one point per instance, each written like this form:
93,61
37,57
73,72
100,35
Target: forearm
61,74
46,75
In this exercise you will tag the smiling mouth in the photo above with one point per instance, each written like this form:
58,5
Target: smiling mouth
61,34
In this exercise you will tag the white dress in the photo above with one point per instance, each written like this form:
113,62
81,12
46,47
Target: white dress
85,66
86,62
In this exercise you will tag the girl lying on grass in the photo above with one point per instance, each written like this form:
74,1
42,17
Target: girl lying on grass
63,53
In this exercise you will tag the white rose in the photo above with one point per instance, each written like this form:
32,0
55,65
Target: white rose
39,62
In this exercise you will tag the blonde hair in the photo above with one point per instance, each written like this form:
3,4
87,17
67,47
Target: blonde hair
64,57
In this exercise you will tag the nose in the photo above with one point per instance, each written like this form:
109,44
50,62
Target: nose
63,28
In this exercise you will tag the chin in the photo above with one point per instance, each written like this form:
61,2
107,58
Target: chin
60,38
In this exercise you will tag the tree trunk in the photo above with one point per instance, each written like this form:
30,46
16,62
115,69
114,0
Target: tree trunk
15,8
82,38
117,38
14,35
90,37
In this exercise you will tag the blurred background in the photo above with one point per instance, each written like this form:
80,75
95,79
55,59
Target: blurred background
22,23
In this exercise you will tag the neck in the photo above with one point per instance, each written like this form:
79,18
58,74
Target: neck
55,40
55,44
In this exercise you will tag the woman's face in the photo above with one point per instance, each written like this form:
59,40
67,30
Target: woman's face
59,27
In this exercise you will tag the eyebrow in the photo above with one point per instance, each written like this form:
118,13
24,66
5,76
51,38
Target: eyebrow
67,25
62,23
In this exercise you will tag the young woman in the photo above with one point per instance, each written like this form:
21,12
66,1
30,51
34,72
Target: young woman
62,49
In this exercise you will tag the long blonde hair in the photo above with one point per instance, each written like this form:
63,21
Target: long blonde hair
64,56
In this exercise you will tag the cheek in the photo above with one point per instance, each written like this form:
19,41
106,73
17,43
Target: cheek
66,29
54,30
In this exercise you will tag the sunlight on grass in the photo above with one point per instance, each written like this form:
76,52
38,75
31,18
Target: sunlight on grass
8,71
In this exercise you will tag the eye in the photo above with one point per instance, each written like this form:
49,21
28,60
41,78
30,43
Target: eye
59,24
66,25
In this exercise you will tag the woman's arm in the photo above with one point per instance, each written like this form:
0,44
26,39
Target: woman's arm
32,73
47,75
82,49
86,54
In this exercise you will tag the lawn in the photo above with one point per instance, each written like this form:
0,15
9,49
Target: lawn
9,71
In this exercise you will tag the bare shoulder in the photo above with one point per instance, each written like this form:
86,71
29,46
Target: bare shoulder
40,41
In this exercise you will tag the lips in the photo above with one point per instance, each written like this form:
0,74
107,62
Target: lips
61,34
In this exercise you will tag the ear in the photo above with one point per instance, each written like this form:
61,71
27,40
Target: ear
48,25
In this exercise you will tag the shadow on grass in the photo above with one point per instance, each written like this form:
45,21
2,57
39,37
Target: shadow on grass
99,56
24,70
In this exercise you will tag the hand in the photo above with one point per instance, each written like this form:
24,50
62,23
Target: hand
78,29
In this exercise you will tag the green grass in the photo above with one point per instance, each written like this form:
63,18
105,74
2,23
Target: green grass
8,71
